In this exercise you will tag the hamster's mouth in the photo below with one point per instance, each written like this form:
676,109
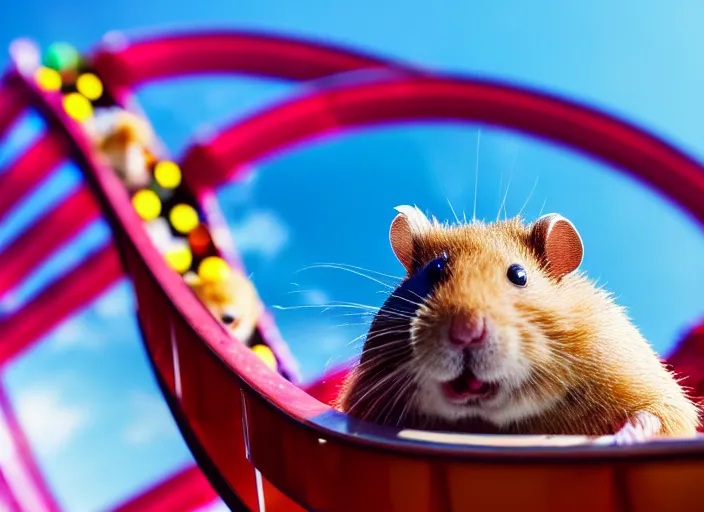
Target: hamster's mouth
467,387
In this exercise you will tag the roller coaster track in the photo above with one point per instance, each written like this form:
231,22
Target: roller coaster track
261,441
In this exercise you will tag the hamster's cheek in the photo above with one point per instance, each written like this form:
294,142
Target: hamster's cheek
503,361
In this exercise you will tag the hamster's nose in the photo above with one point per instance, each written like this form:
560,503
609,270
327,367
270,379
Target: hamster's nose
467,331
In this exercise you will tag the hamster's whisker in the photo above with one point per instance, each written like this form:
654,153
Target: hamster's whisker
354,305
399,313
363,312
388,331
388,347
377,362
405,411
403,386
365,317
502,206
351,271
292,292
377,393
410,291
529,196
476,176
413,303
318,306
355,340
457,219
354,324
364,309
365,337
397,317
377,385
392,329
543,207
379,358
363,269
385,346
368,318
369,366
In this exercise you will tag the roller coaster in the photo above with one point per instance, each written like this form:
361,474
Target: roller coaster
261,440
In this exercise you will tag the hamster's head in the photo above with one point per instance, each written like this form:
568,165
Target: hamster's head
488,324
124,140
233,301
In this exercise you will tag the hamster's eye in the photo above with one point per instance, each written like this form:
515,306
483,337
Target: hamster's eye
517,275
227,318
435,270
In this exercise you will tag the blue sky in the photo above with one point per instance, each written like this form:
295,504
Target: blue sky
86,395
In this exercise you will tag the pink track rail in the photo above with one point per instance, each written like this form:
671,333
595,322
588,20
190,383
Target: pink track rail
22,486
30,169
237,415
46,235
187,489
128,65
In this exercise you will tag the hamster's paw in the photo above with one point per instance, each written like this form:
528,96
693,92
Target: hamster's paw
643,427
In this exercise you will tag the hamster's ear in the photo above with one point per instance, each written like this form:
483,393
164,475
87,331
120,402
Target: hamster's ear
408,224
558,241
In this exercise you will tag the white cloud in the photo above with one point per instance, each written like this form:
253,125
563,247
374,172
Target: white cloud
80,331
261,232
75,332
152,420
240,189
50,423
68,334
117,302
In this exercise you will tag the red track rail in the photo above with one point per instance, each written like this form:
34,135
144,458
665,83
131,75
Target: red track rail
29,170
29,489
185,491
46,235
10,108
78,287
449,99
132,65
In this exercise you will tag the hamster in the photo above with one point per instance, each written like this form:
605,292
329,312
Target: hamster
233,301
494,330
123,139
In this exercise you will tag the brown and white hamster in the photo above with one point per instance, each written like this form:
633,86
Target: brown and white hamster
124,139
233,301
493,330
